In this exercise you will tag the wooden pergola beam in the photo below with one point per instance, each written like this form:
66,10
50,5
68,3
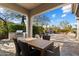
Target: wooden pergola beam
44,7
74,8
77,18
38,9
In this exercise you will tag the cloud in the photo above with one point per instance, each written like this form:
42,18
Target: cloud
65,11
73,23
53,15
67,8
63,15
1,10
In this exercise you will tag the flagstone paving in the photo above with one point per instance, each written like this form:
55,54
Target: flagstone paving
68,46
7,48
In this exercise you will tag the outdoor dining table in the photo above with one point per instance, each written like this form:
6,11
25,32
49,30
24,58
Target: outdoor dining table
38,44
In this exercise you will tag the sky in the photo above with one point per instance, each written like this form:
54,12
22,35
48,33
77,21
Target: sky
56,16
61,14
14,20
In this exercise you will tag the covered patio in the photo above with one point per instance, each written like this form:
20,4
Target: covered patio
32,9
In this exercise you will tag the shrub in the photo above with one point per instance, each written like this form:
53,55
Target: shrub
37,30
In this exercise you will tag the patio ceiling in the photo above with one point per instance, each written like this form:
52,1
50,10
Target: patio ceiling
77,12
29,6
34,8
74,8
14,7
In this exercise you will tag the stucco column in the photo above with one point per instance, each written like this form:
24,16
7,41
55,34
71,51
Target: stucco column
77,29
29,25
26,24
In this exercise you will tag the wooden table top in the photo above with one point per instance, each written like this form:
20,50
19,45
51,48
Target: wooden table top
38,43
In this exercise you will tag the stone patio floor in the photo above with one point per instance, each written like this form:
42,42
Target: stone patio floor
7,48
68,46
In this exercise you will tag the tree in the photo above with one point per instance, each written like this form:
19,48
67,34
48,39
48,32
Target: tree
5,27
56,29
64,24
3,32
13,27
37,30
9,16
41,20
66,27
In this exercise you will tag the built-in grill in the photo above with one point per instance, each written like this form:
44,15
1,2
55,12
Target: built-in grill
19,33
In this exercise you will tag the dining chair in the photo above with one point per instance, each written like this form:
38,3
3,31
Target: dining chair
46,37
54,51
17,47
37,36
27,50
24,48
